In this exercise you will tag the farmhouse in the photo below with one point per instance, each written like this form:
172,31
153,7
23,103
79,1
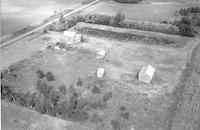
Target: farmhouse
73,37
146,74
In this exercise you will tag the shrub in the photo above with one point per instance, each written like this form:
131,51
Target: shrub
4,73
95,118
45,31
58,26
79,82
196,20
96,89
7,93
63,90
123,108
115,124
43,88
107,96
118,19
54,97
125,115
49,76
40,74
80,115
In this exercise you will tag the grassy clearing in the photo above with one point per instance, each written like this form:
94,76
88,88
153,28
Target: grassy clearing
142,12
44,83
184,113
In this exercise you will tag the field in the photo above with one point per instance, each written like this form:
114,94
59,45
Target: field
143,11
20,118
119,100
48,83
188,104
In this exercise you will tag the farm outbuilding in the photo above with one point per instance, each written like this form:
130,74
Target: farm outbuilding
73,36
100,72
100,54
146,74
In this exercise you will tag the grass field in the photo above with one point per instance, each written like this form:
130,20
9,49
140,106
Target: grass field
142,12
131,103
20,118
187,99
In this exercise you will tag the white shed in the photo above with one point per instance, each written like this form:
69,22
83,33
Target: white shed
100,54
146,74
100,72
73,36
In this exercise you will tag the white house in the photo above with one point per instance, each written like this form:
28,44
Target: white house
73,36
146,74
100,72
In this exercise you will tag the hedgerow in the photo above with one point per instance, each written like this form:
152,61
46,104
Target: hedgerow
118,21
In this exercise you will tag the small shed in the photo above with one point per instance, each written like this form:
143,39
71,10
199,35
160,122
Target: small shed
100,72
146,74
73,36
100,54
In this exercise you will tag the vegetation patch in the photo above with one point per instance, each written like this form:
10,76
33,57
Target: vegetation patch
116,21
129,37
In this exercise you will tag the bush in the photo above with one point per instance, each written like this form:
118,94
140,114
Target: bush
97,19
123,108
45,31
80,115
7,93
63,90
4,73
107,96
40,74
58,26
118,19
125,115
115,124
79,82
43,88
54,98
96,89
196,20
49,76
95,118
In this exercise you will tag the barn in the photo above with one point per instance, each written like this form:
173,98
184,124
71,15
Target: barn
146,74
73,37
